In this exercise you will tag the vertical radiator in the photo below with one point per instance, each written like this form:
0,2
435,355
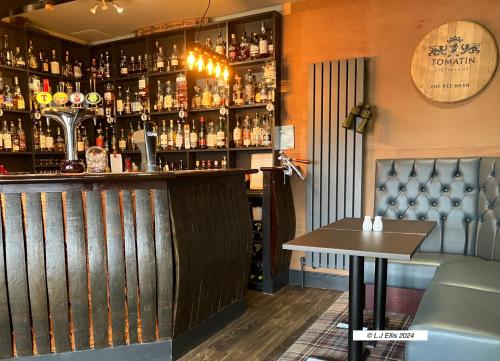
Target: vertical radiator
335,175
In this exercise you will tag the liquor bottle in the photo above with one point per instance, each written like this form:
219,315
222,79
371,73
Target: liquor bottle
220,45
49,139
93,68
59,141
249,95
256,138
223,163
130,138
2,93
206,98
143,88
196,101
181,90
155,57
123,64
44,63
168,97
132,65
127,105
238,91
208,43
107,67
254,47
43,139
67,68
211,135
164,136
80,143
77,69
221,134
100,67
8,98
54,64
263,43
139,64
160,60
86,140
19,59
179,136
99,140
171,135
6,55
137,104
158,106
113,140
186,130
15,137
202,136
266,132
246,132
36,137
119,101
263,94
216,96
144,65
174,58
244,53
32,60
233,49
270,46
108,95
19,103
193,137
237,134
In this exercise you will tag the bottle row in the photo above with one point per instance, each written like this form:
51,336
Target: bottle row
12,138
11,97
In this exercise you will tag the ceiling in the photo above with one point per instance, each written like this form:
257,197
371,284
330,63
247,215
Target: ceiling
74,18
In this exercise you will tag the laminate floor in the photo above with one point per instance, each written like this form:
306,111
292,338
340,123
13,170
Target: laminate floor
269,326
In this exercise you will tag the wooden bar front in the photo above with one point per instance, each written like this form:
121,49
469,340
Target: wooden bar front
120,265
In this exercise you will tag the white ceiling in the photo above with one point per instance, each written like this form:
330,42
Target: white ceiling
75,19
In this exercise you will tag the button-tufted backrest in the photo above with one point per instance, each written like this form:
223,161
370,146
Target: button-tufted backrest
442,190
488,228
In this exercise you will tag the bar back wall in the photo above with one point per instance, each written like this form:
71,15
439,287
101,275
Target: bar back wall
387,32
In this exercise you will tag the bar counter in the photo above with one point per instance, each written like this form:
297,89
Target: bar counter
120,266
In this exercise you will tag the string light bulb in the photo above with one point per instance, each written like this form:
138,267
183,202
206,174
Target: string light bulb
191,60
200,64
225,74
217,70
93,9
210,67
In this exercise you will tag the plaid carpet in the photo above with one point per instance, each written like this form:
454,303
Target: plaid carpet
324,339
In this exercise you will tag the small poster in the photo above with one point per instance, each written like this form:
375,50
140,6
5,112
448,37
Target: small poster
258,161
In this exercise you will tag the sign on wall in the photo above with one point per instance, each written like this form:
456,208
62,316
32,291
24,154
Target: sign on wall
454,62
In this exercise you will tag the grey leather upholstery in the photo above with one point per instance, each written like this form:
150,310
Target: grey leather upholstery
416,273
463,325
483,275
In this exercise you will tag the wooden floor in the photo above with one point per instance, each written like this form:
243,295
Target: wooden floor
269,326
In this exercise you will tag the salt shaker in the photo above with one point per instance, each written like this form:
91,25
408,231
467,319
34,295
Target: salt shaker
377,224
367,223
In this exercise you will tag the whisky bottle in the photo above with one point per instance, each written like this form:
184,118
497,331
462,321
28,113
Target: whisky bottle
139,64
77,69
15,137
233,49
216,96
181,91
93,68
21,135
193,136
143,90
123,64
164,136
137,105
54,64
67,69
32,60
211,135
202,136
44,63
254,47
19,59
171,135
107,67
49,139
127,105
249,95
80,144
244,48
237,134
155,57
256,137
246,132
122,143
19,103
179,136
2,93
263,43
36,137
8,98
223,163
186,131
100,67
221,134
159,98
174,59
168,97
266,132
160,60
59,141
206,99
197,98
220,45
238,91
131,65
43,139
119,101
6,54
108,95
130,138
270,44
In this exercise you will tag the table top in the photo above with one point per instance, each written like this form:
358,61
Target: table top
346,237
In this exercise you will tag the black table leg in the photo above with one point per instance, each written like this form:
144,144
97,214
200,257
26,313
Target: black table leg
356,283
380,293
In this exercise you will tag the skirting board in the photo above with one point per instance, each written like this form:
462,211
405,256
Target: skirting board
319,280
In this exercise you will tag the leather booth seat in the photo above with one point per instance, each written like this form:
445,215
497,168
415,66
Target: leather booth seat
458,265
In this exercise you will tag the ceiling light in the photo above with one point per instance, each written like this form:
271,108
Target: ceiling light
103,5
118,8
93,9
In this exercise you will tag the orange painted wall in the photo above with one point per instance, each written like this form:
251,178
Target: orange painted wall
387,32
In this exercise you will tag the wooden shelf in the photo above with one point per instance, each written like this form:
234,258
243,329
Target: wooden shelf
15,111
255,193
249,149
46,166
167,112
252,62
125,78
165,73
129,116
45,75
13,68
204,110
49,153
247,106
10,154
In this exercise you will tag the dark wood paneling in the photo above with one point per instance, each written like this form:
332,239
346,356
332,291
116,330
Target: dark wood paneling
335,177
77,269
56,270
146,264
116,266
16,274
97,268
35,255
5,330
164,264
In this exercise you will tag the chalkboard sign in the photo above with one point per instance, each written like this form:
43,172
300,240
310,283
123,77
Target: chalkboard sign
454,62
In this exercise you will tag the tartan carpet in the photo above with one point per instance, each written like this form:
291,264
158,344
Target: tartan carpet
324,339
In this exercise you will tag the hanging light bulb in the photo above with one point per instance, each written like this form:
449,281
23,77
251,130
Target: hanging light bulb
210,67
200,64
217,70
226,73
118,8
191,60
103,5
93,9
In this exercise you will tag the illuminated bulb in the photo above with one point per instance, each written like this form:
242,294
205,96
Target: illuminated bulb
104,6
93,9
118,8
200,64
226,73
217,70
210,67
191,60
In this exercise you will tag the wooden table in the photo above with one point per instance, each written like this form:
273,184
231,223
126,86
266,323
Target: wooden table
399,240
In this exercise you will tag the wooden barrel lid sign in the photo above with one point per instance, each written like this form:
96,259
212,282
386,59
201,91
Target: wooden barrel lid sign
454,62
